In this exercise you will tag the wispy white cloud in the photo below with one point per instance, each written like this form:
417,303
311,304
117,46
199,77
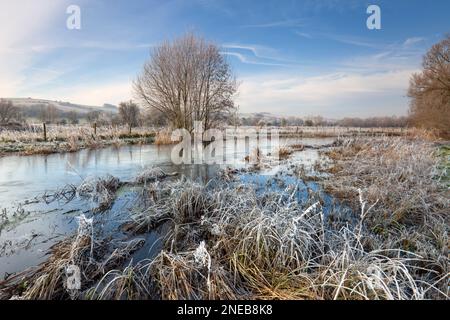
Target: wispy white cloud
330,95
356,41
277,24
304,34
255,49
343,38
94,93
412,41
402,55
245,59
26,21
360,85
381,62
256,54
101,45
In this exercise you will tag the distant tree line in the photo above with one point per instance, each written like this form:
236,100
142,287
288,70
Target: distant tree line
380,122
261,120
8,112
130,114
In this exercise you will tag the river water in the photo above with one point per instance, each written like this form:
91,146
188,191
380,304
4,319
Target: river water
33,226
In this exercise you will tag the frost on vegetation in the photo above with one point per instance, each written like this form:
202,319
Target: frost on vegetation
101,190
150,175
231,241
203,259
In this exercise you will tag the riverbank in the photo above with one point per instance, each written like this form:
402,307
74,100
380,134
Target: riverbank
70,138
61,139
36,148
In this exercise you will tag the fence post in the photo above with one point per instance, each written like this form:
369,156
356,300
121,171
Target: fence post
95,128
45,132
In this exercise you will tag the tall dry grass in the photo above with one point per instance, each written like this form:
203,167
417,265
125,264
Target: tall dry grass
164,137
402,174
94,258
68,138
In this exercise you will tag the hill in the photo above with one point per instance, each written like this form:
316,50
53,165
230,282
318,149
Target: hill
62,106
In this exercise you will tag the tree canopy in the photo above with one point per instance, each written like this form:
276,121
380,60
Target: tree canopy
187,80
430,90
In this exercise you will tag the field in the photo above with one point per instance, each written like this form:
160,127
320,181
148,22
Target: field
69,138
369,220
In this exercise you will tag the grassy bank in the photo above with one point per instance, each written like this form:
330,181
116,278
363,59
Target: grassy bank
69,139
444,153
336,131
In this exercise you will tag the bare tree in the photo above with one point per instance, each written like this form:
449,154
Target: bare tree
129,114
8,111
52,113
430,89
93,116
187,80
72,116
48,113
153,117
309,123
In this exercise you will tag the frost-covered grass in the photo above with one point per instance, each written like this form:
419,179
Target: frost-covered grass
100,190
230,243
404,175
68,138
66,132
444,153
83,253
228,240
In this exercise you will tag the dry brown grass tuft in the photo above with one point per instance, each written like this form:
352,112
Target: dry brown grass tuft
283,152
164,137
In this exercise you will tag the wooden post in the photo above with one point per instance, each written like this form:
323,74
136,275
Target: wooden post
45,132
95,128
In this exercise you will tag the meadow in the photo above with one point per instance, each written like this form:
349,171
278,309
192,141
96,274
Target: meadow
31,139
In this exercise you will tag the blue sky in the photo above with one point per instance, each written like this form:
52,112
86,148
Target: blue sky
312,57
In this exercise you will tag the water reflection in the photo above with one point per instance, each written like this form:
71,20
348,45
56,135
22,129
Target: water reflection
25,241
25,177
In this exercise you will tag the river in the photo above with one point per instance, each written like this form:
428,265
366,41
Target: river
30,226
